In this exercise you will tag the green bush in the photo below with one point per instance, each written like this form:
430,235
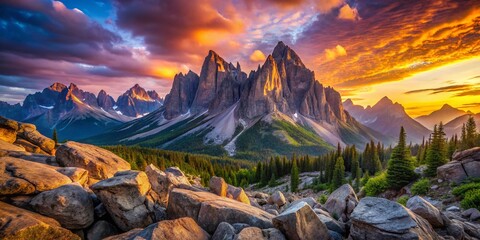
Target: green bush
322,199
421,187
403,200
461,190
319,187
471,200
376,185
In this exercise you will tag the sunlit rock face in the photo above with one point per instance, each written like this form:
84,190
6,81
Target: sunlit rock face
282,83
136,101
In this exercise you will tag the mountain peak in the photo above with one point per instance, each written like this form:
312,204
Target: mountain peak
446,106
348,102
57,87
385,101
72,86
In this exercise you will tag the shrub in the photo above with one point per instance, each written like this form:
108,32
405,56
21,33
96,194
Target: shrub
376,185
461,190
421,187
403,200
322,199
319,187
471,200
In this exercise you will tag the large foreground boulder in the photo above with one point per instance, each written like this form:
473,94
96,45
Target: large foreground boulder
8,130
100,163
464,164
29,133
18,176
218,186
425,210
125,198
17,223
69,204
209,210
178,229
6,148
299,222
379,218
342,202
163,182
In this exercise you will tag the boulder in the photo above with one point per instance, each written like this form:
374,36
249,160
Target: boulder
218,186
238,194
424,209
452,171
163,182
178,229
100,163
224,231
379,218
17,223
6,148
472,213
464,164
277,198
8,130
125,197
209,210
332,224
69,204
250,233
341,202
299,221
101,230
273,234
78,175
29,147
309,200
29,133
18,176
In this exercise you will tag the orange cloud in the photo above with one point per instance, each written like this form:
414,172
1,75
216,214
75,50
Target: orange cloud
257,56
348,13
333,53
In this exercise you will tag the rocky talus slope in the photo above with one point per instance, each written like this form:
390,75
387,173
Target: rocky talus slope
81,191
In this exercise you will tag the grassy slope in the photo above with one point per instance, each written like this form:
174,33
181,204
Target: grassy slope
279,138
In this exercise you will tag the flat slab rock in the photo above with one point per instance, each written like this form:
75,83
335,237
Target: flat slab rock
100,163
17,223
18,176
209,210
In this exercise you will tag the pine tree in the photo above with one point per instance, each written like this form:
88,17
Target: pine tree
470,133
400,169
272,181
338,173
54,136
294,177
436,154
355,167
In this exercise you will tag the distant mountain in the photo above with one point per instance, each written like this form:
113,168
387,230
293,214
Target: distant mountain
77,114
278,109
137,102
387,117
445,114
455,126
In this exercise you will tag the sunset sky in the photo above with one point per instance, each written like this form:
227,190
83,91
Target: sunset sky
420,53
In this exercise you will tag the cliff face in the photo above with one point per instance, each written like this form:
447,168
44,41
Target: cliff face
282,84
136,101
182,94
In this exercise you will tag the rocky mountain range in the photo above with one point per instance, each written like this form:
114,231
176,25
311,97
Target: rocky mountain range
387,117
445,114
68,109
279,108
